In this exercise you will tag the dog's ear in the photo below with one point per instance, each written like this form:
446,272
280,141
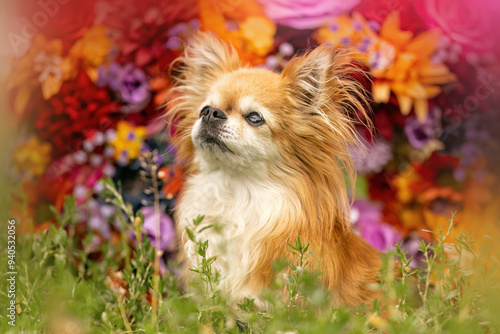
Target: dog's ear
307,74
325,80
205,58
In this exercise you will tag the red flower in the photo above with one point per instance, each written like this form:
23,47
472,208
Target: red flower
384,125
380,189
66,21
378,11
438,170
386,118
172,176
142,26
78,110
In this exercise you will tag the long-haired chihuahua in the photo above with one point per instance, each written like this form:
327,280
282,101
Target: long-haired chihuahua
263,155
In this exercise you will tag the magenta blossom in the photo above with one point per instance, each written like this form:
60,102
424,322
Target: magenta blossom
367,216
474,25
305,14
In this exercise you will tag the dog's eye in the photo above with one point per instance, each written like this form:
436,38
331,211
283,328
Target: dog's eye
204,111
254,119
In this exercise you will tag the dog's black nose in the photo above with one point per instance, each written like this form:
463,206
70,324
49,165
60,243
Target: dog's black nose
210,114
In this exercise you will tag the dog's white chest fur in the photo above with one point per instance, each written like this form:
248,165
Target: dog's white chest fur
243,211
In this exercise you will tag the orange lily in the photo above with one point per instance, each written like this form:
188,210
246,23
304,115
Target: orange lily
412,76
399,61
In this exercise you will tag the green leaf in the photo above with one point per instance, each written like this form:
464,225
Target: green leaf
190,234
197,221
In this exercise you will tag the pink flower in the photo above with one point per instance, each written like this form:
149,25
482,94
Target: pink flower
472,24
305,14
376,13
368,218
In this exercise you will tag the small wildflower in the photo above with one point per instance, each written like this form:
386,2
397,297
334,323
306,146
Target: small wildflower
286,49
128,141
137,229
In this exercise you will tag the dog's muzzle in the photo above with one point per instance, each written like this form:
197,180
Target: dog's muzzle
212,122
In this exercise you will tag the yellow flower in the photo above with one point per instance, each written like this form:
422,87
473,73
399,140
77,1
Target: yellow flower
92,49
402,184
259,33
128,141
411,216
34,156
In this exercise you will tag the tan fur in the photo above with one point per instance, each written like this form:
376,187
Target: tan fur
285,178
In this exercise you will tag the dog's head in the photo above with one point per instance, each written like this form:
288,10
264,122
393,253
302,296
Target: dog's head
254,122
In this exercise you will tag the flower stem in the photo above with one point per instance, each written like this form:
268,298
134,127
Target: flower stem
123,313
158,252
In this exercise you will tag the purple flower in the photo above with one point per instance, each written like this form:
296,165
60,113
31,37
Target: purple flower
178,29
133,85
419,134
305,14
411,246
108,76
173,43
167,232
372,157
129,82
367,216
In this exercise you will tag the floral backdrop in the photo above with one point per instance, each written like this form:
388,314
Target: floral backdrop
89,81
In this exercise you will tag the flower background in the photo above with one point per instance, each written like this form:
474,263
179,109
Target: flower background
86,82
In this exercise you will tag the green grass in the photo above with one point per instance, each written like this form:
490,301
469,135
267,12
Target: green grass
65,285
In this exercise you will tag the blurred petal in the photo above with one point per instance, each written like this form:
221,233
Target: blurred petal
405,104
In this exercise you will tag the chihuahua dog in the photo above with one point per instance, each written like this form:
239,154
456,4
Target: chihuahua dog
263,155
